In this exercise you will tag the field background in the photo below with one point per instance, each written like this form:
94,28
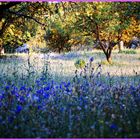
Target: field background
61,66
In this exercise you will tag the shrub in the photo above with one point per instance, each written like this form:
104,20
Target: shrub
80,63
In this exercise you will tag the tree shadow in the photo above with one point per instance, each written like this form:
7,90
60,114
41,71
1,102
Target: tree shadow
76,55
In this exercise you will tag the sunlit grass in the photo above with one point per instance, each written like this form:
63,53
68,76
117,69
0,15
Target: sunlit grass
64,63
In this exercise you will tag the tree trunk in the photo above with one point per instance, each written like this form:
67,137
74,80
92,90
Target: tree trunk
107,51
1,46
109,60
121,46
1,51
108,55
59,50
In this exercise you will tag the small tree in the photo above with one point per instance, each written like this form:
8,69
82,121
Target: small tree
105,22
57,38
60,34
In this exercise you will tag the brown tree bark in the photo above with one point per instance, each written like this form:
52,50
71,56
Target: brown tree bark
108,58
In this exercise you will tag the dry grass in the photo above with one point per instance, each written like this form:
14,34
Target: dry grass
63,65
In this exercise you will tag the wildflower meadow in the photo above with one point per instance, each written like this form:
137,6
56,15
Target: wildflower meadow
37,102
69,69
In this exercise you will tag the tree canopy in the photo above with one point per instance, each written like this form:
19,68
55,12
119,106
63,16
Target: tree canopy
70,23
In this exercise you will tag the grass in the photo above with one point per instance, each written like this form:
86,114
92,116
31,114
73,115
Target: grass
129,52
65,62
48,97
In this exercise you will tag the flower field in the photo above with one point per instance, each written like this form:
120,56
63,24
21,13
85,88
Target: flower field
46,96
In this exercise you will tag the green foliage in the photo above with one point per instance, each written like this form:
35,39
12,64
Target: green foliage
68,24
16,36
18,23
58,37
80,63
128,52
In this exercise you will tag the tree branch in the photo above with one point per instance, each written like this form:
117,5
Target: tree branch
26,16
8,5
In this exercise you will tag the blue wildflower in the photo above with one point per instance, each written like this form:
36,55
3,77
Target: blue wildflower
14,92
23,88
91,59
39,91
18,109
38,82
29,89
22,99
132,89
47,88
67,84
7,87
39,107
60,86
15,88
62,109
42,78
113,126
47,96
10,119
67,90
1,97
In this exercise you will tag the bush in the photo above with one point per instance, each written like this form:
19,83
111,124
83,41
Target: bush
80,63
